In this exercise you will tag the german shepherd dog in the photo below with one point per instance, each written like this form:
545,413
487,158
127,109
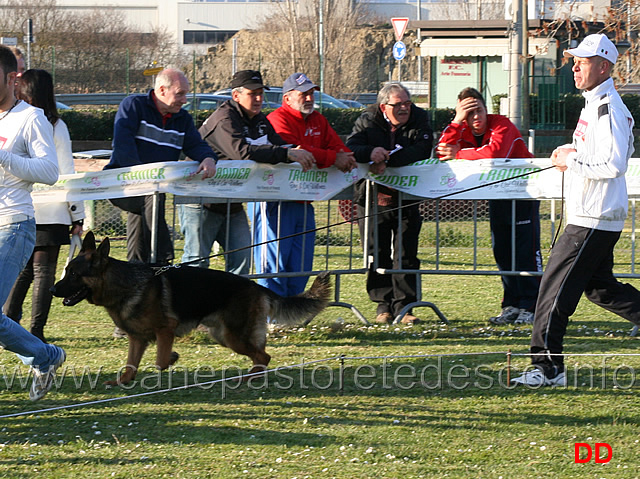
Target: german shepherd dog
158,307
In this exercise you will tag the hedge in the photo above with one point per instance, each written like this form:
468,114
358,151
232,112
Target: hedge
98,124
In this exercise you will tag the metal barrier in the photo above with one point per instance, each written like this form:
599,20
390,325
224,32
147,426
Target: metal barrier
454,240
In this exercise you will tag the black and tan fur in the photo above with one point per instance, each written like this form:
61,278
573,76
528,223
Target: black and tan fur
150,307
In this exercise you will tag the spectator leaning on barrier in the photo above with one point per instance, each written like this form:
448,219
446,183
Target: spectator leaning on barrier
238,130
297,123
392,133
27,156
148,129
594,167
474,135
54,221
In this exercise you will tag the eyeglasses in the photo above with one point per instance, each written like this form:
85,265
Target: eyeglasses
406,104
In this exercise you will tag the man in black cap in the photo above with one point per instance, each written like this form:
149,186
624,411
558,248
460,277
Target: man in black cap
237,130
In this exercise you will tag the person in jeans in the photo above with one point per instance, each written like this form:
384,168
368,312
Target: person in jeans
27,156
472,135
297,123
237,130
594,167
55,222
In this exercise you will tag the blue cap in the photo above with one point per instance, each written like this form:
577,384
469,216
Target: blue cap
298,81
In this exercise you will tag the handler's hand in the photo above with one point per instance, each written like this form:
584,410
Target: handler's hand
559,158
207,168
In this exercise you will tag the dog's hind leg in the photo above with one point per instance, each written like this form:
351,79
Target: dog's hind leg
137,348
164,356
255,352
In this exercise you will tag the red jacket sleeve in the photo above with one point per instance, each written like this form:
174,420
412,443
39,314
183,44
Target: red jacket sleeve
503,140
323,147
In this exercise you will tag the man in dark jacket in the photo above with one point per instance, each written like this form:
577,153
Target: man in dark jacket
237,130
392,133
148,129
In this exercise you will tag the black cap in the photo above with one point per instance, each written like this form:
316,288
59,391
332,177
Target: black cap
250,79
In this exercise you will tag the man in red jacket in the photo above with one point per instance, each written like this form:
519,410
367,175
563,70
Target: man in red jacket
474,135
297,123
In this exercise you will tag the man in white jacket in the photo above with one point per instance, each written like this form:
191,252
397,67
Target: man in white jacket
27,156
594,166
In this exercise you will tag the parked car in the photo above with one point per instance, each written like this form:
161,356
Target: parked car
273,98
206,101
352,103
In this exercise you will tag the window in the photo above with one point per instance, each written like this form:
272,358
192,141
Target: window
202,37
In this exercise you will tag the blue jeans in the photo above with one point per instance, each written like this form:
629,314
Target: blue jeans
294,254
201,227
16,245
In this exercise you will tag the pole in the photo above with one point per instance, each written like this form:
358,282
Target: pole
419,38
321,48
515,112
629,66
29,40
126,75
234,56
526,110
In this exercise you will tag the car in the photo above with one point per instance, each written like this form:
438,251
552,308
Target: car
352,103
205,101
62,106
273,98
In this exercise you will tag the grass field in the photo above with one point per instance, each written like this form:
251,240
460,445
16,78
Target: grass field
382,401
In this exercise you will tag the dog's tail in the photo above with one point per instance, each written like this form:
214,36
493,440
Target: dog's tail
304,307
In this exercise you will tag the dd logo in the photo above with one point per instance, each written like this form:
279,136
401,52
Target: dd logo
590,453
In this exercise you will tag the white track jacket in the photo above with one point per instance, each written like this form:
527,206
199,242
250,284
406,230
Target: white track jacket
603,140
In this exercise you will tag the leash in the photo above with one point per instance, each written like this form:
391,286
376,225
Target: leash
163,269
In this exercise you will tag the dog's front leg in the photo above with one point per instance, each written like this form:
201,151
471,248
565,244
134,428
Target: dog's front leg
137,348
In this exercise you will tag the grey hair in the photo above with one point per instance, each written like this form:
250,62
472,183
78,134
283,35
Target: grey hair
238,89
168,77
389,89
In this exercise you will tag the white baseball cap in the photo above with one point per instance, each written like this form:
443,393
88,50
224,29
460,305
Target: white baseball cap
594,45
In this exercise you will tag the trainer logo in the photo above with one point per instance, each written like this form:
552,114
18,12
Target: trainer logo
592,453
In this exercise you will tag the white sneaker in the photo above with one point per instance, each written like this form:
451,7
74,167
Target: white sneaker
536,378
508,315
525,317
42,382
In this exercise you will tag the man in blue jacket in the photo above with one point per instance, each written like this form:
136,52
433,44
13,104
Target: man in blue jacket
149,129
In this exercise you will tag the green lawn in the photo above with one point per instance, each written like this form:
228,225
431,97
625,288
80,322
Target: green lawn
381,401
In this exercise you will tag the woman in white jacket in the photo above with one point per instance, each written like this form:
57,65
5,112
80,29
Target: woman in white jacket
55,222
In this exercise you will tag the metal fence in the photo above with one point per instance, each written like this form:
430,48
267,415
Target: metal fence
455,239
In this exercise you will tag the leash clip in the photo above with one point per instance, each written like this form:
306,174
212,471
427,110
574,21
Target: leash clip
163,269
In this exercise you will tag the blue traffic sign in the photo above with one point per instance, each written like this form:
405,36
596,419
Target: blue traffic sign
399,50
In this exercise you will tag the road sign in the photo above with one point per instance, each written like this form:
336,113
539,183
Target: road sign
399,26
399,51
152,71
11,41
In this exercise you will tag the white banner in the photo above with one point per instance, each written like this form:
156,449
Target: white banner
244,180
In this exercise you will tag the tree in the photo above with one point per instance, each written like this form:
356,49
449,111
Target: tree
90,52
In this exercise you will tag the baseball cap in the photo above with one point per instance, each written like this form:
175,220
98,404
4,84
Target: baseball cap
594,45
298,81
250,79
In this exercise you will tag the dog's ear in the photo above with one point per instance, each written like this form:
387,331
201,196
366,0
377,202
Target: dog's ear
88,243
104,248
